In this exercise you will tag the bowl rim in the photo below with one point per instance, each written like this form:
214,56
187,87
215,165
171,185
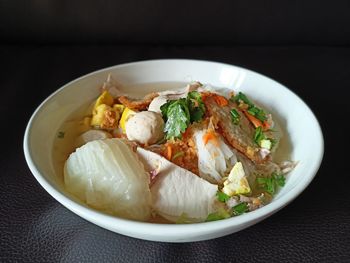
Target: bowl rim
157,229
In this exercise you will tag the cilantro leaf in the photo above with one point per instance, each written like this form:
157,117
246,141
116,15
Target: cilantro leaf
194,95
178,114
280,179
195,106
164,110
271,184
196,115
267,184
177,117
240,209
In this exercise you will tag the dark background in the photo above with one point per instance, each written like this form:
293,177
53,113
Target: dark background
302,44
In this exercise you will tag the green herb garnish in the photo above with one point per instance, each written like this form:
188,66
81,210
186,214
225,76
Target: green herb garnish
177,117
271,184
280,179
240,209
223,214
273,142
258,113
218,215
177,155
222,197
196,106
178,114
252,109
259,135
60,135
164,110
267,184
235,116
242,97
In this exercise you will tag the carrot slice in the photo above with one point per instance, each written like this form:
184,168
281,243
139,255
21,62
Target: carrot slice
266,125
220,100
169,152
205,95
210,135
256,122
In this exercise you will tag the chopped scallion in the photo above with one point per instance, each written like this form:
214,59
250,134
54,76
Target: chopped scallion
240,209
242,97
222,197
252,109
235,116
258,135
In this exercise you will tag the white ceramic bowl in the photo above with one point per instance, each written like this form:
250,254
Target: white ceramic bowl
300,123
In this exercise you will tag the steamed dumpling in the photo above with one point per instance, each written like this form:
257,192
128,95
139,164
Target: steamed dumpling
107,175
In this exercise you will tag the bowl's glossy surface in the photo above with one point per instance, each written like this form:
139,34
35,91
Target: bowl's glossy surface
299,122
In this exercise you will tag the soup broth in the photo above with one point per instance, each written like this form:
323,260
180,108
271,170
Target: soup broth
73,126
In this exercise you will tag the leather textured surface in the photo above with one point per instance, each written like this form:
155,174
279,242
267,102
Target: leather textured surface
313,228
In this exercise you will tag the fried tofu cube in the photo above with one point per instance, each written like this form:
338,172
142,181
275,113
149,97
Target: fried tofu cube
119,107
104,98
105,117
236,182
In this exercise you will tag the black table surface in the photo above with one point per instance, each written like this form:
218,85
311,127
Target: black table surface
315,227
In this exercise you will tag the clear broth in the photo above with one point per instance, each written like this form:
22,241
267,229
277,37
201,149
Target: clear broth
72,127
